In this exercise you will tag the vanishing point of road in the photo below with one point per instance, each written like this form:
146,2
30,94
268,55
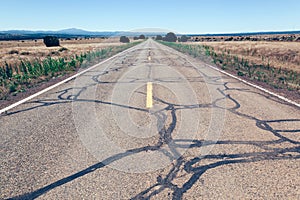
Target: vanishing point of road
151,123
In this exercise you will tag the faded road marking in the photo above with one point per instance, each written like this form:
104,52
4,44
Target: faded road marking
149,95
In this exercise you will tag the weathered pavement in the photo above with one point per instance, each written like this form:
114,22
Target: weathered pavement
206,135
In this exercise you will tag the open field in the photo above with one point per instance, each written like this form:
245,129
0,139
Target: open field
24,64
277,54
12,51
248,37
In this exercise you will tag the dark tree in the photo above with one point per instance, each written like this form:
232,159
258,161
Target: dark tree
142,37
184,38
135,38
171,37
51,41
159,37
124,39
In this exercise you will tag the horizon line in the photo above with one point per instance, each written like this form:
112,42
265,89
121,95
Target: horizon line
153,31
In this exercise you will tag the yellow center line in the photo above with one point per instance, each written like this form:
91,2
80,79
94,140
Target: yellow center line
149,95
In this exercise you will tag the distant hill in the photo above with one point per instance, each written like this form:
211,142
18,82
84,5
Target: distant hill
71,33
67,33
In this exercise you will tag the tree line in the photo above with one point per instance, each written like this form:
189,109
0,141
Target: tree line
169,37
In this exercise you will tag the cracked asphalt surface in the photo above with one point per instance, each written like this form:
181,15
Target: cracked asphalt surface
207,136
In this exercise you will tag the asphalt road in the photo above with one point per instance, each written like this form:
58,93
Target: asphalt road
151,123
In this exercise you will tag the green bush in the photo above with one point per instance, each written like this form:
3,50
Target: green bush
51,41
142,37
170,37
124,39
159,37
240,73
184,38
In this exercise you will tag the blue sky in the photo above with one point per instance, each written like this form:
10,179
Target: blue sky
184,16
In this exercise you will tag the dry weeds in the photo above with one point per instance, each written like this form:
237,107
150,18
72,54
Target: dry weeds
32,49
284,55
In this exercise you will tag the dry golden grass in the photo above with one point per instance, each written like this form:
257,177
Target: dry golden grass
32,49
278,54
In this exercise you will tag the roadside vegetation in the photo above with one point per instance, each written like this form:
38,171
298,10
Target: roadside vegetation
276,77
141,37
288,37
171,37
124,39
26,73
285,55
51,41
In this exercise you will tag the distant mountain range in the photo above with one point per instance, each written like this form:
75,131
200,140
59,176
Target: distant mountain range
71,31
74,32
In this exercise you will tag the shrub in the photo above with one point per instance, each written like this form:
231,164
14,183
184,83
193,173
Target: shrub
240,73
142,37
25,53
184,38
54,53
51,41
230,39
63,49
13,52
12,87
159,37
124,39
170,37
135,38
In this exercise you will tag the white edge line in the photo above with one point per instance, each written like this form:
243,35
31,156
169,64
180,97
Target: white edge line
62,82
255,86
246,82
